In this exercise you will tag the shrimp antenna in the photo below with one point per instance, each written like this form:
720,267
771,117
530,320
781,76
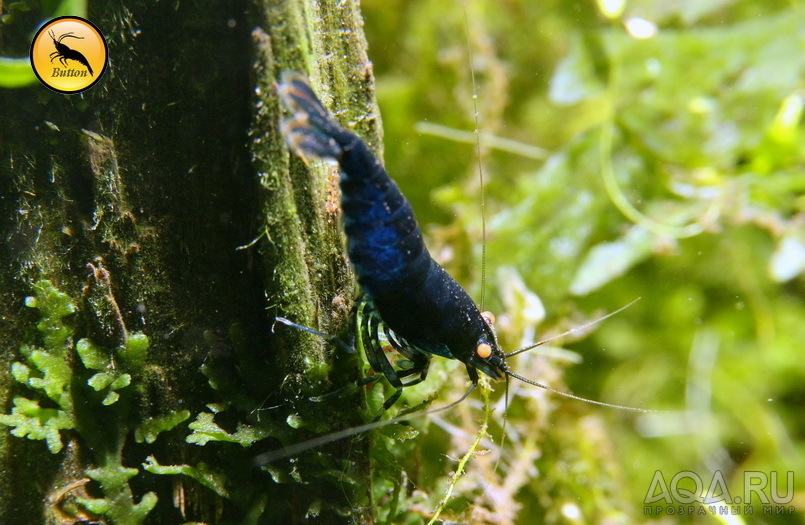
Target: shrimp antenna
477,132
578,398
574,329
304,446
566,394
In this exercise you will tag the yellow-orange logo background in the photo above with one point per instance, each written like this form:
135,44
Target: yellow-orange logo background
61,69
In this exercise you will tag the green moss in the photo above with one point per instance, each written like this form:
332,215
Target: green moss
149,429
54,306
205,430
202,473
91,355
30,420
119,504
96,382
47,370
134,352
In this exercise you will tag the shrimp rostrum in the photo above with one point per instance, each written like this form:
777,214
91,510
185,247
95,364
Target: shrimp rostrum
422,310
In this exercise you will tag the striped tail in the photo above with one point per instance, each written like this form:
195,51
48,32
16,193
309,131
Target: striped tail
310,133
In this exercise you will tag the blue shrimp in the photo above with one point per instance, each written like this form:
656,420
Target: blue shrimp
428,312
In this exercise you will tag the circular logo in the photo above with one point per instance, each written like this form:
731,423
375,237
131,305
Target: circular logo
69,54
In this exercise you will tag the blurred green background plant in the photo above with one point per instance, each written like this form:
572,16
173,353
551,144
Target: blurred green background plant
630,149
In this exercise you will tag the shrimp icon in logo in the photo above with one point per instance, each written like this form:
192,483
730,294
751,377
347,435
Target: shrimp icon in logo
69,54
64,53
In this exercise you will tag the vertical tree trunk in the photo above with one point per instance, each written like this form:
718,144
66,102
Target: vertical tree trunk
140,200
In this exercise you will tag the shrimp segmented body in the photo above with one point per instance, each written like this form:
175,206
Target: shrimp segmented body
428,312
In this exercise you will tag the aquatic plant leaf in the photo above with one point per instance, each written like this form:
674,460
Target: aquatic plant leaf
215,481
92,356
31,421
149,429
206,430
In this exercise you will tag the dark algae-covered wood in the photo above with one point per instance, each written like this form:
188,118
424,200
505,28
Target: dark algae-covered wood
157,223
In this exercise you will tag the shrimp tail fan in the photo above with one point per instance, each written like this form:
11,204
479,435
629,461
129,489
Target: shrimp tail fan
310,133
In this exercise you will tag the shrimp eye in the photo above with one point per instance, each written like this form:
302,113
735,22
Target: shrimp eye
489,317
483,350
